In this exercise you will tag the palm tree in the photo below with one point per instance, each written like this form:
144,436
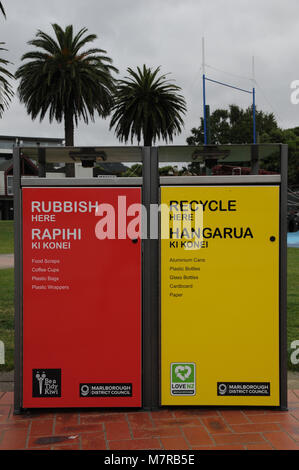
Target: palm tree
65,81
2,9
6,92
147,106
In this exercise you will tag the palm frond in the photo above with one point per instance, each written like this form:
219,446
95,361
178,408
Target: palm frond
6,91
2,10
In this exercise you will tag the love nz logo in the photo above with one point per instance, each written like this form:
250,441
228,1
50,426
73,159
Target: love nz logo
182,378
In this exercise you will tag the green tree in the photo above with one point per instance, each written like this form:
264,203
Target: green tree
291,138
6,92
148,107
233,126
134,170
65,80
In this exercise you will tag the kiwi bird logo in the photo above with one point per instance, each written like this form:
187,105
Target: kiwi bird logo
40,378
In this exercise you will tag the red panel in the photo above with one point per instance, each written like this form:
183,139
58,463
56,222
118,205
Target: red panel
85,325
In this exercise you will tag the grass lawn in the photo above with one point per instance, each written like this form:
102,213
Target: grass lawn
6,237
7,323
7,316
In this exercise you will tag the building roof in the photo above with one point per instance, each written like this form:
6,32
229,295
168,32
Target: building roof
17,139
7,142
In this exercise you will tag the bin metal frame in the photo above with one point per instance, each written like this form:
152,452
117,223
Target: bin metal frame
150,184
253,179
148,260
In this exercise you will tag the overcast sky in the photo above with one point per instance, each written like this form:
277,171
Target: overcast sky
168,33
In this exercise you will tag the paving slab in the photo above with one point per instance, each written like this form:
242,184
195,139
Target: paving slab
293,380
7,381
6,261
81,429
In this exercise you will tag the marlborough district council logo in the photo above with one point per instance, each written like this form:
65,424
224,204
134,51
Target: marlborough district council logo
182,378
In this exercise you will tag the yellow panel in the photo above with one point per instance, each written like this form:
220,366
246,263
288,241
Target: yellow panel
220,332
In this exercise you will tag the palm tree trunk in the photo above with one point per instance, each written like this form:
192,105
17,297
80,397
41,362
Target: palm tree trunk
147,139
148,142
69,141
